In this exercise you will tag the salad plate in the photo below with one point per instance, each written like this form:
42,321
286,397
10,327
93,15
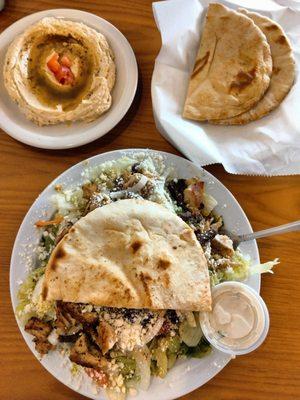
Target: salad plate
188,373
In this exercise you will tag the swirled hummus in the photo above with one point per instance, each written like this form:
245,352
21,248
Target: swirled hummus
60,71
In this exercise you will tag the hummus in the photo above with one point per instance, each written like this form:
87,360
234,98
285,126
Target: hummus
60,71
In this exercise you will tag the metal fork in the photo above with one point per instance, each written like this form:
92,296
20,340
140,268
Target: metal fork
237,239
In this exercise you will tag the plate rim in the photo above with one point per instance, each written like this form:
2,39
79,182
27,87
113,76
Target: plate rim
38,140
14,255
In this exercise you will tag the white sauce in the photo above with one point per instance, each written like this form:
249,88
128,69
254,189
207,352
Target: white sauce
237,319
232,315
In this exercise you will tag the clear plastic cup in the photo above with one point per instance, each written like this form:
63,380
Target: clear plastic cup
254,338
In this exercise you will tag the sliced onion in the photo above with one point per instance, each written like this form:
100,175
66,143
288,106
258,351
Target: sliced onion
118,195
153,331
143,358
189,315
190,336
139,185
134,189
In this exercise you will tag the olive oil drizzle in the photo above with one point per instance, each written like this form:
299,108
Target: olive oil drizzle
41,80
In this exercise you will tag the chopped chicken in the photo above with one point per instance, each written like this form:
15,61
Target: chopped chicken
133,180
43,347
65,323
81,345
40,330
223,244
96,200
71,338
85,359
93,334
106,336
88,190
81,354
76,311
193,194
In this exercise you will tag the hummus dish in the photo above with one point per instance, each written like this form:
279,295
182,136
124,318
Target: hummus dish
60,71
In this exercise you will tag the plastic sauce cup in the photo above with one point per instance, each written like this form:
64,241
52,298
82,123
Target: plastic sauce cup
245,298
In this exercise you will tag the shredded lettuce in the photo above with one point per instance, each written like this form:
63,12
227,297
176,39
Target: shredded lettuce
109,170
75,369
200,350
27,287
239,269
69,201
127,367
265,267
142,375
190,335
161,358
31,303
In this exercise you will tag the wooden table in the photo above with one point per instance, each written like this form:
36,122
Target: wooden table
270,372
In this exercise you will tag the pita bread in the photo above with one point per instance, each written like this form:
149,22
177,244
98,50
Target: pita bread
133,254
283,74
232,69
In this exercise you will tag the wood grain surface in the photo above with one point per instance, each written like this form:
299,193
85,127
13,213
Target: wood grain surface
271,372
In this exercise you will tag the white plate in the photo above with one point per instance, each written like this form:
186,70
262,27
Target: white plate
62,136
186,375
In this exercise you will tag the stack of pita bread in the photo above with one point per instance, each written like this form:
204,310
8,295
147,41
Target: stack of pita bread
243,70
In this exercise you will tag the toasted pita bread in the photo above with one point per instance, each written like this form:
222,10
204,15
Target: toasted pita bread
133,254
232,69
283,74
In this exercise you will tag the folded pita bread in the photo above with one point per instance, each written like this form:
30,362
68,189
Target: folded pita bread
232,69
133,254
283,71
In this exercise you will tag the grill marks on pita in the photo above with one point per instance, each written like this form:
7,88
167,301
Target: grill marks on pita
283,72
232,82
133,254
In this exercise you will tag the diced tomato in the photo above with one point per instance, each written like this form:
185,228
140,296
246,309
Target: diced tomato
61,69
65,61
64,76
97,375
53,63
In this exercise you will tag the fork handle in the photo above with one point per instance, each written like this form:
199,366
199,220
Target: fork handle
290,227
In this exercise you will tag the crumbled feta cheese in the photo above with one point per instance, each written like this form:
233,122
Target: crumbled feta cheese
118,323
120,381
